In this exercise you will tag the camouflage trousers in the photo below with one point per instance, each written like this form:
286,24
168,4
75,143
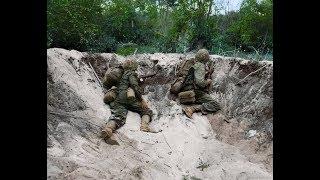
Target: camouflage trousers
119,110
207,102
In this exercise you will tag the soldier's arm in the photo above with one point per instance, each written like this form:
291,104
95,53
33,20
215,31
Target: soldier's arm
134,83
209,70
199,75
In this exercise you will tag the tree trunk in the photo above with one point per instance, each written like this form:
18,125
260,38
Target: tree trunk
210,9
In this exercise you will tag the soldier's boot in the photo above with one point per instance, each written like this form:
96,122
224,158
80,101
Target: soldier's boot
145,119
189,110
107,133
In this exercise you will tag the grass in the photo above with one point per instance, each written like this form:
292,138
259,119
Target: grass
257,55
131,48
126,49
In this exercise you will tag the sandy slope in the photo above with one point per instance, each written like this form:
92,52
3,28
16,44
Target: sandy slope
186,148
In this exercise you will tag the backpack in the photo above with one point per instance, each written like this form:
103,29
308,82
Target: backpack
183,70
184,67
112,76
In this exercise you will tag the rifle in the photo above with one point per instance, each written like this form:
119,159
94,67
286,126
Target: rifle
209,74
147,76
210,71
143,77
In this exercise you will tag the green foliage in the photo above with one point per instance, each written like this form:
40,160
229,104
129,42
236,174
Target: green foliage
123,26
147,49
254,27
126,49
73,23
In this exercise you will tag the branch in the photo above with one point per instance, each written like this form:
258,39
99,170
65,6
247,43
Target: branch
256,52
251,74
166,141
96,75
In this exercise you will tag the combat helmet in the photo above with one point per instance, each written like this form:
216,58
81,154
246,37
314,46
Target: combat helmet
202,55
130,64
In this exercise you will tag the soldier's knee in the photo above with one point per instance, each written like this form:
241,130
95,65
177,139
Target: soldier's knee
147,112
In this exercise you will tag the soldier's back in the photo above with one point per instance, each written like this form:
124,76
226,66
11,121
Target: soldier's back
124,85
184,67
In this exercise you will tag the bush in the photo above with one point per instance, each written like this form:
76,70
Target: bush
147,49
167,26
254,26
73,24
126,49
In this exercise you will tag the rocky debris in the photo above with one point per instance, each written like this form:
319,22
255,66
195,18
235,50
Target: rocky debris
217,146
248,105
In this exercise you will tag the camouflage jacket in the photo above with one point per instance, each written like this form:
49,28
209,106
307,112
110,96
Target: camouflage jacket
199,75
195,79
129,79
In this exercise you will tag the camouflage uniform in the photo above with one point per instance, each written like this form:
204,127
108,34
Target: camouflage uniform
195,80
121,105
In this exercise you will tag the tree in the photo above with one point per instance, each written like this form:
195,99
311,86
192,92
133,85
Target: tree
73,23
254,27
158,25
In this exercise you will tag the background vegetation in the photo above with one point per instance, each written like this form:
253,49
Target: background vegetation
148,26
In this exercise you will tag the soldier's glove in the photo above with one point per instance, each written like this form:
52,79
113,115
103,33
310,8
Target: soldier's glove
209,82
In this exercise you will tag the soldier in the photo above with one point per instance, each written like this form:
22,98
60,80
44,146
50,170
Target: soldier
194,88
128,97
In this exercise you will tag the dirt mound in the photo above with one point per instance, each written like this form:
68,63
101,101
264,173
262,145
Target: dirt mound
185,149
